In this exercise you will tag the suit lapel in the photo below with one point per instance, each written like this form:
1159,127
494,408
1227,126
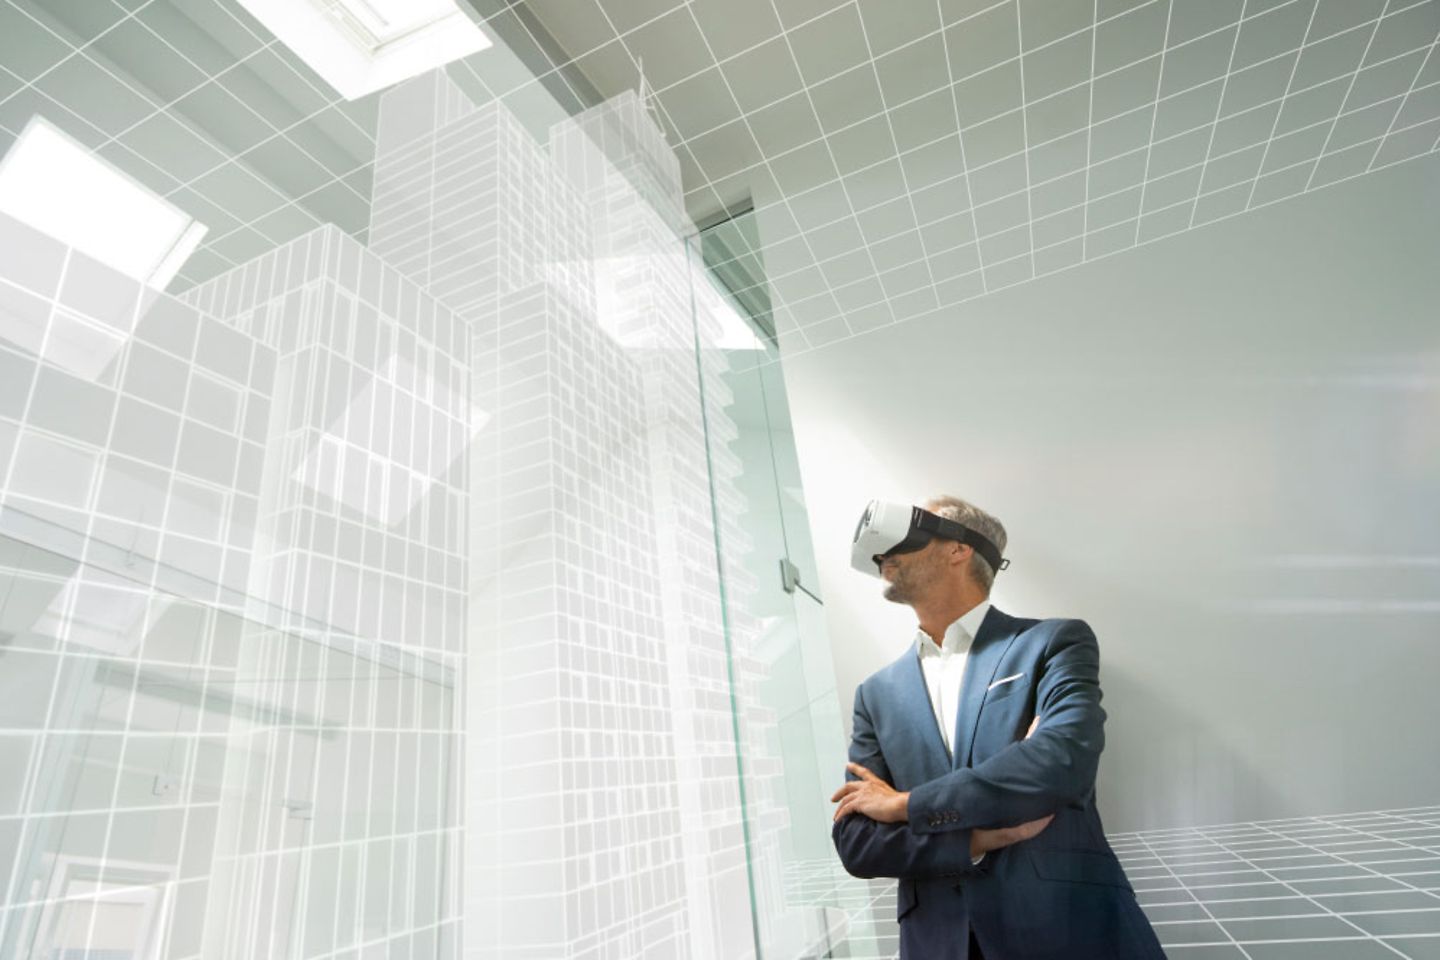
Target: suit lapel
920,715
996,633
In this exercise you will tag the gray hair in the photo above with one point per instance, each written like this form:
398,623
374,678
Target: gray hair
967,514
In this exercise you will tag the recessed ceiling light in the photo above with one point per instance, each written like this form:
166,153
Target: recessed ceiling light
360,46
61,188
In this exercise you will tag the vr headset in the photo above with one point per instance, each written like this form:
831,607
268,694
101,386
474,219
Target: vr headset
887,529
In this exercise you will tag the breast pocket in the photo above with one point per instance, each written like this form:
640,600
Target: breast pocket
1006,690
1004,718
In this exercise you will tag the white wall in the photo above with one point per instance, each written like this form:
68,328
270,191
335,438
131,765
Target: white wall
1222,450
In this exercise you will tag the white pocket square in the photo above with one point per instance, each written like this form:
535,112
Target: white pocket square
998,683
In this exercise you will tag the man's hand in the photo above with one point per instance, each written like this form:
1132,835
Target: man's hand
871,796
881,802
983,841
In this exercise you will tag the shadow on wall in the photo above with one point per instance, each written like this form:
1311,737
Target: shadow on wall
1176,753
1237,708
1166,765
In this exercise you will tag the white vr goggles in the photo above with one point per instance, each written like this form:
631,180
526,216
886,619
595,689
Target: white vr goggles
890,528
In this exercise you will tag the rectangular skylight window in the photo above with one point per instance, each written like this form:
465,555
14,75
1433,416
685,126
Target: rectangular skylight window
59,187
360,46
378,22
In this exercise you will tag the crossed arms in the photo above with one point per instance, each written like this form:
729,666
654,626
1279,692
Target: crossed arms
939,827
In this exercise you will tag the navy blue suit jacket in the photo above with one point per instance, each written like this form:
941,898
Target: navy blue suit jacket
1062,894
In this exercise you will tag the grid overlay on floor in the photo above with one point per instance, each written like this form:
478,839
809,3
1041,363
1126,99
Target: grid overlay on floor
1350,886
1345,887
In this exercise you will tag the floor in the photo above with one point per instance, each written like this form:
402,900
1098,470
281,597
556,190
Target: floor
1351,887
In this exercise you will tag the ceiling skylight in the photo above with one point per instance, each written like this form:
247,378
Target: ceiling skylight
360,46
378,22
61,188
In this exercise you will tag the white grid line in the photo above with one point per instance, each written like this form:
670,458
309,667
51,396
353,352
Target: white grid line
960,138
1348,90
1420,71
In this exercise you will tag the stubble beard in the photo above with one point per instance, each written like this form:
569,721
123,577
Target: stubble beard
902,588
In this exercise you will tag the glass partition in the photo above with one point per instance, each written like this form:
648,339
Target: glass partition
787,708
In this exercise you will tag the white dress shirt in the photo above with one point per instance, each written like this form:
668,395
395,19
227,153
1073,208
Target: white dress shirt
944,668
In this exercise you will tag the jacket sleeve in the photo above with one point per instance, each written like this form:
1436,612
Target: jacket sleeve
870,849
1032,778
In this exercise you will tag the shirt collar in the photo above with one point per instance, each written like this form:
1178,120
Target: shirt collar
958,636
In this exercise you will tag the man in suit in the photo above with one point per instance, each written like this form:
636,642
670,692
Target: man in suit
973,759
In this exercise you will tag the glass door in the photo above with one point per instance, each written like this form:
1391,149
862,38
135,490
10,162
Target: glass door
789,730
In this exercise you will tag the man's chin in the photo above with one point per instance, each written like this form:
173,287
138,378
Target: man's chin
894,594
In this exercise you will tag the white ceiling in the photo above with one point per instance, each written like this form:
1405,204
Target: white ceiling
196,100
908,155
902,156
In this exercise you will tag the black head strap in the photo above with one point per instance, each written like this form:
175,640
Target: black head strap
940,526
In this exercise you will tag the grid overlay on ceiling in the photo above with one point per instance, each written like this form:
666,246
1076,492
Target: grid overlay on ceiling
902,157
199,102
913,156
1348,887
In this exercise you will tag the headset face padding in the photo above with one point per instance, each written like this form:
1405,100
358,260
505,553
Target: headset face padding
883,527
